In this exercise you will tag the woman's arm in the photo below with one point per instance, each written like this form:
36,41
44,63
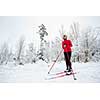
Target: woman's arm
70,43
63,45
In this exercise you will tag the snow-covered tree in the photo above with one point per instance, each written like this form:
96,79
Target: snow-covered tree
94,43
85,46
20,50
84,43
62,31
74,35
42,32
31,53
4,53
96,54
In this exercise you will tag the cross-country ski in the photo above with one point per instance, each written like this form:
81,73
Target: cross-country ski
59,75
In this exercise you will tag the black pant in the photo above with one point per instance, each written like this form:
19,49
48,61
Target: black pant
67,59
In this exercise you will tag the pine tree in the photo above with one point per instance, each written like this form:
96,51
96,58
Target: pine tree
42,32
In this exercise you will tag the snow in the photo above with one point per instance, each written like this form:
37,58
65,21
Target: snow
86,73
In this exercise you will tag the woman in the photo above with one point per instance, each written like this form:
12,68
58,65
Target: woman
66,45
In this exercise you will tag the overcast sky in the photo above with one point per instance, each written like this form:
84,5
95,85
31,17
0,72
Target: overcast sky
11,28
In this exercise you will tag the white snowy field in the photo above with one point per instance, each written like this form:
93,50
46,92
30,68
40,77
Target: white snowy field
86,73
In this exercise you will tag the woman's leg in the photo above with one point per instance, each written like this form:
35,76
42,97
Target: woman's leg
69,61
66,60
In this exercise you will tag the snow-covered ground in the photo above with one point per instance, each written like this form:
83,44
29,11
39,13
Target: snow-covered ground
86,72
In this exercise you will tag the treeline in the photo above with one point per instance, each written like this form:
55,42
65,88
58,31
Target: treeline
86,47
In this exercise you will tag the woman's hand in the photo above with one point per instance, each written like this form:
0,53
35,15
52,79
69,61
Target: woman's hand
64,45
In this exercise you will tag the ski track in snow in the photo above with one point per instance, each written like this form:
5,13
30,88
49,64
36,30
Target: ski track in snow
86,73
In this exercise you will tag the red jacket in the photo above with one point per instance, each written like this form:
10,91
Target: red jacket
67,44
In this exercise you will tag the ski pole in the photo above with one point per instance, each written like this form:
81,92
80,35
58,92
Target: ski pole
55,61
